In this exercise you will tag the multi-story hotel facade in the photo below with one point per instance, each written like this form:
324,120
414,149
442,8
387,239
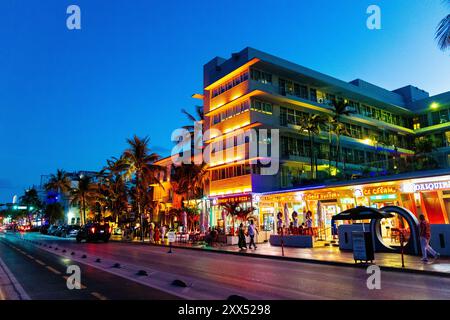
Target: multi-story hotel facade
386,140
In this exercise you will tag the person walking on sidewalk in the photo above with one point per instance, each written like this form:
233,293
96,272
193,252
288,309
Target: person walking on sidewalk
242,243
252,231
425,235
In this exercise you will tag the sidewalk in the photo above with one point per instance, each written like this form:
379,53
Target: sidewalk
324,255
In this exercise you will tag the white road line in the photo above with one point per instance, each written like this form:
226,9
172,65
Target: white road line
40,262
53,270
99,296
11,288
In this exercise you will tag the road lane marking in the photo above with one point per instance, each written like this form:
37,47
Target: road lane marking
99,296
81,285
53,270
40,262
30,256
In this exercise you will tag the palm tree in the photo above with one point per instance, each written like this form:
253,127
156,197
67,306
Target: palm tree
30,198
443,32
340,108
138,162
199,117
83,194
113,187
190,179
236,212
59,182
312,125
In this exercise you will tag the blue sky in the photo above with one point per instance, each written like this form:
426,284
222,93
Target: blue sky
69,99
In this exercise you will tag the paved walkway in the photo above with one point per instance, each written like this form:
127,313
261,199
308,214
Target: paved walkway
326,255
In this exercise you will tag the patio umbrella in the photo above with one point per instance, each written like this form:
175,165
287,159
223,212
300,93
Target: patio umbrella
184,219
286,215
319,215
362,213
224,218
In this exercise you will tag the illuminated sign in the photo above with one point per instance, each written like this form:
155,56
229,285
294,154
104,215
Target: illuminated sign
235,199
384,197
321,196
373,191
430,186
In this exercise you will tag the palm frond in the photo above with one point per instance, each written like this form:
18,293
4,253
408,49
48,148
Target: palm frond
443,33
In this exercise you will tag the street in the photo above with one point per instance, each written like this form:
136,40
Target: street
132,271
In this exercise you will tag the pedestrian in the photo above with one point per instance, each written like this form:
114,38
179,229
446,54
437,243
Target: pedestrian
156,235
425,235
279,222
151,232
163,232
242,243
252,231
309,219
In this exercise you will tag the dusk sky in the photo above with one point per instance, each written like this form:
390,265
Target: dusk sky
70,98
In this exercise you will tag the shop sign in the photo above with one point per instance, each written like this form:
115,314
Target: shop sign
430,186
235,199
373,191
384,197
321,196
171,236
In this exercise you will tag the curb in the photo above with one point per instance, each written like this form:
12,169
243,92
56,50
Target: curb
296,259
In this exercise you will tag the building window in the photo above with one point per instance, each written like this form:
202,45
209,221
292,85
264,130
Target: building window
230,84
261,76
260,106
231,112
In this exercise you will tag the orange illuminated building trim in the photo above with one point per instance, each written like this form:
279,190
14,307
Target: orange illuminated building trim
233,163
233,73
233,102
235,131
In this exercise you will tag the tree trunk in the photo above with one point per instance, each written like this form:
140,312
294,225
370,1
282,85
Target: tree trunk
84,208
311,154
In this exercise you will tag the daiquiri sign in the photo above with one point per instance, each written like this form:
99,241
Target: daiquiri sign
430,186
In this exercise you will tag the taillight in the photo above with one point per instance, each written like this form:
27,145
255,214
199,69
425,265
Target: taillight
110,230
93,230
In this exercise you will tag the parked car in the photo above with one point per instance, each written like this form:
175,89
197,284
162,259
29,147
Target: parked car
59,231
51,230
94,232
71,231
44,229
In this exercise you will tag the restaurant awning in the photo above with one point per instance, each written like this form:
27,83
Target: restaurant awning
362,213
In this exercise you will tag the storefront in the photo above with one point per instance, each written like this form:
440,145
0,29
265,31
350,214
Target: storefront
429,196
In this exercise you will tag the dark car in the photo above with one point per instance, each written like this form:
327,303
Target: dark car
70,231
44,229
59,231
94,232
51,230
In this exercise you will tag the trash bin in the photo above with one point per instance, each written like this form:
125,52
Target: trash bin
363,246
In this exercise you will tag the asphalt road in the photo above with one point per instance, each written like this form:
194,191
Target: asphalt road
213,275
44,275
